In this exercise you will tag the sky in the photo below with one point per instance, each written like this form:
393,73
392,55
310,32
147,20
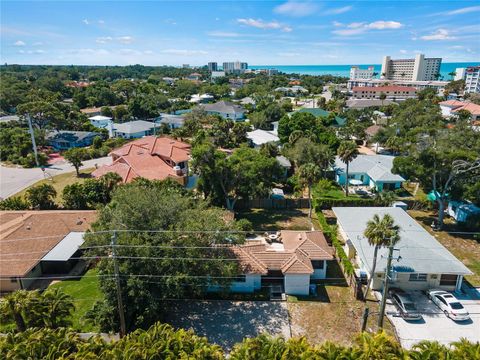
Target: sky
257,32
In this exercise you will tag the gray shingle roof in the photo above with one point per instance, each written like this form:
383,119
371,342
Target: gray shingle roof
378,167
69,135
224,107
420,252
132,127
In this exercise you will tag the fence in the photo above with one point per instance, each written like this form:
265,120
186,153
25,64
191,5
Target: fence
301,203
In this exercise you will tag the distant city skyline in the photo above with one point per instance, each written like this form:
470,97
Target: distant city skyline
262,32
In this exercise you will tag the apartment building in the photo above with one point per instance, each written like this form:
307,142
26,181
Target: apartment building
472,79
235,67
394,92
212,66
356,73
439,86
418,69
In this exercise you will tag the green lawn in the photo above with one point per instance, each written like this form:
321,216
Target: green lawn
275,219
60,181
85,292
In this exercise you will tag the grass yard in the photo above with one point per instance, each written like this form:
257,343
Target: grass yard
274,219
60,181
334,315
464,246
85,292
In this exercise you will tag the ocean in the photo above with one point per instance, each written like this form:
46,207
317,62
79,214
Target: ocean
344,70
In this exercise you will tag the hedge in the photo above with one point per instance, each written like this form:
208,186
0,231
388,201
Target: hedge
328,203
331,233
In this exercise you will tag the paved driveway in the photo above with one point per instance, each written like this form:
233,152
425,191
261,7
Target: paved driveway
436,326
228,322
15,179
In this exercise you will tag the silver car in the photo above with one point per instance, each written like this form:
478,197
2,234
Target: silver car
405,305
449,304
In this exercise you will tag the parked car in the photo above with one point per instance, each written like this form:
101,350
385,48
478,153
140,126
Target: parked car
449,304
405,305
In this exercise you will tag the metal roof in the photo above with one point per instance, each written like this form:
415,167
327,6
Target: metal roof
420,252
132,127
66,247
377,167
259,136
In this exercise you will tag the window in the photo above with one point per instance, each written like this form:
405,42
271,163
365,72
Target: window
448,280
442,300
240,278
13,280
317,264
417,277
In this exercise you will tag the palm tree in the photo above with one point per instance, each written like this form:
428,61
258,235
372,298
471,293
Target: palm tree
57,308
385,198
382,97
12,307
452,74
347,152
380,233
309,174
429,350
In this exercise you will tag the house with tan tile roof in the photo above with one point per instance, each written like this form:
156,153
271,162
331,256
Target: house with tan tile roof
35,243
290,259
151,157
453,107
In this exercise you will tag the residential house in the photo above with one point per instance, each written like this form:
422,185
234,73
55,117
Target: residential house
64,140
451,108
258,137
421,262
317,112
133,129
92,111
226,110
291,260
285,164
292,90
39,243
372,130
374,171
195,77
173,121
100,121
248,101
204,98
151,157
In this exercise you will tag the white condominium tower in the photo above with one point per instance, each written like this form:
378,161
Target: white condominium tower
365,74
471,75
418,69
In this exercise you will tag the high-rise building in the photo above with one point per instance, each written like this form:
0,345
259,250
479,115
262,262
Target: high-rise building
212,66
418,69
472,79
235,67
459,74
356,73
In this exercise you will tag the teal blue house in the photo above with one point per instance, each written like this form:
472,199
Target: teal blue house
374,171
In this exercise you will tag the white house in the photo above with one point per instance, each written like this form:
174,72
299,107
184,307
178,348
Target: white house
226,110
134,129
290,259
259,137
374,171
421,262
173,121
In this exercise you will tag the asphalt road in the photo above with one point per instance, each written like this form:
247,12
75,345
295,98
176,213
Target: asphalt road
15,179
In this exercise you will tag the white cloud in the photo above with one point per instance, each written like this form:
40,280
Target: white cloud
125,39
148,52
356,28
403,51
440,34
101,22
170,21
86,22
129,52
260,24
223,34
296,8
103,39
339,10
19,43
464,10
38,43
380,25
337,24
184,52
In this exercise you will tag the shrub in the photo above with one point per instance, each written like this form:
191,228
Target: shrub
14,203
41,197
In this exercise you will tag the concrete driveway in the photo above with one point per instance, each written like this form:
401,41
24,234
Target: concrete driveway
15,179
435,325
228,322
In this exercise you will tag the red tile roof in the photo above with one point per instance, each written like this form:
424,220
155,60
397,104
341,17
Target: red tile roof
456,106
147,157
299,249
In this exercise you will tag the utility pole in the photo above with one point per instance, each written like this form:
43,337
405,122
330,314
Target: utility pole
30,127
365,318
385,285
121,311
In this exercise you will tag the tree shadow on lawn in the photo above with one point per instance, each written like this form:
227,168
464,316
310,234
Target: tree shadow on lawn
271,219
228,322
447,227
